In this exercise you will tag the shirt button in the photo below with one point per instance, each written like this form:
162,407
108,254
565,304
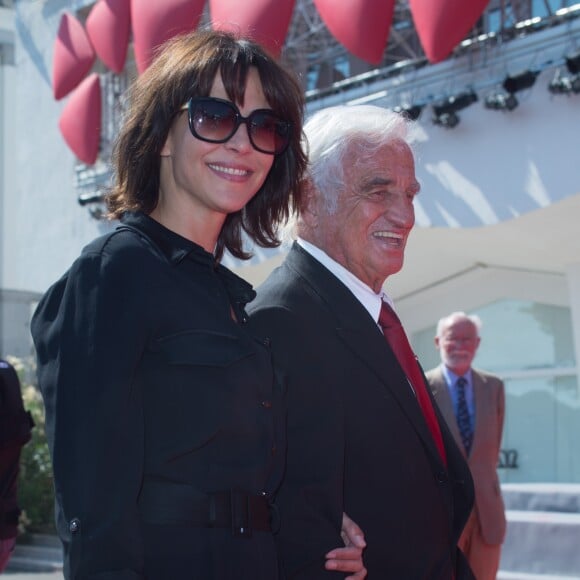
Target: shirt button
442,477
266,404
74,525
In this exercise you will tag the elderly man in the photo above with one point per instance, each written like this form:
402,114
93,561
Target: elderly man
364,436
473,404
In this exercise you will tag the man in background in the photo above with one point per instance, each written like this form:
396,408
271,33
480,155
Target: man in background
473,404
15,426
364,435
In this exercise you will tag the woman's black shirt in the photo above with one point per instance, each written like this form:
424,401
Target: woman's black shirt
147,377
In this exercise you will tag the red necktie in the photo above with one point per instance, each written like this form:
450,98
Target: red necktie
399,343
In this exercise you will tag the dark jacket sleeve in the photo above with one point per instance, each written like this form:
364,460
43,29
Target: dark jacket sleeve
88,334
310,499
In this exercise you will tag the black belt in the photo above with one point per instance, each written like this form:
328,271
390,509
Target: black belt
173,503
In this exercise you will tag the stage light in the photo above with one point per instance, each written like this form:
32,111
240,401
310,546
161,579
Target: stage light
501,101
92,197
412,112
445,112
573,63
447,120
520,82
564,85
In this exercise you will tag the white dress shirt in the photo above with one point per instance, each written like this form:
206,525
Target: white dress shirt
362,292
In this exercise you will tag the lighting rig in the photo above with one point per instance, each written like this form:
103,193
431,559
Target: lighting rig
412,112
566,84
507,100
445,112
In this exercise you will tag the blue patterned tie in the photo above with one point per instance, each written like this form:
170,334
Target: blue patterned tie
463,418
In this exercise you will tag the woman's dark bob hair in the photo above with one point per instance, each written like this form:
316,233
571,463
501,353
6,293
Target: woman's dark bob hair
186,66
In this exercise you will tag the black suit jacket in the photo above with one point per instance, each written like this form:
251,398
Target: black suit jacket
357,441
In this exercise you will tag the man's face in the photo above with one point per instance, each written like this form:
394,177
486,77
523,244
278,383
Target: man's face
457,345
375,214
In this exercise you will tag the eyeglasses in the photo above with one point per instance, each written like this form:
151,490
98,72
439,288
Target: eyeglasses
216,121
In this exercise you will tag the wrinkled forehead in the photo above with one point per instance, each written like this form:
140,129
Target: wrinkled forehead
393,161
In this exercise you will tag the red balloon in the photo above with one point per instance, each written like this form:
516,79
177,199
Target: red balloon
80,120
73,56
108,26
361,26
156,21
443,24
266,21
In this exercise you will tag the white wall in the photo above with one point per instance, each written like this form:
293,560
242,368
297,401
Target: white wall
46,227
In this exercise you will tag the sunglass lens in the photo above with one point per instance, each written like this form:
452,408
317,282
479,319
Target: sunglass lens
269,134
213,121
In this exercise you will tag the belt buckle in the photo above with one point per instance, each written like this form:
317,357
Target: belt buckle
241,514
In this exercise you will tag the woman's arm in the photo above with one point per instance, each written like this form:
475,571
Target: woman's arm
86,331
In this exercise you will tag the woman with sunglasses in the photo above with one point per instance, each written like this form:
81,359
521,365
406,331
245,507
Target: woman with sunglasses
164,417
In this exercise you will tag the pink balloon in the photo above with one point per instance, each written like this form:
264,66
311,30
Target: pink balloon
73,56
80,120
156,21
266,21
108,26
361,26
443,24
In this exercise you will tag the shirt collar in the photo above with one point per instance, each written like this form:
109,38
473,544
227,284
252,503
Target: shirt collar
173,246
370,300
451,377
176,248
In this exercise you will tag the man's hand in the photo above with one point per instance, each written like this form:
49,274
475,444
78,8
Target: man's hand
349,558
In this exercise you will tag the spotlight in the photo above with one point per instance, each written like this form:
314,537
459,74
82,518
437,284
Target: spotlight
412,112
520,81
501,102
93,197
573,63
447,120
446,111
564,85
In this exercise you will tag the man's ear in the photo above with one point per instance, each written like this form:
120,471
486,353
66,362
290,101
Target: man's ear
310,201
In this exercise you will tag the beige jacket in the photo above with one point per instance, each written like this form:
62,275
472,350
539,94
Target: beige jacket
489,397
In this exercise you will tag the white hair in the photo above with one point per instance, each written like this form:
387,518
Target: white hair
330,132
447,321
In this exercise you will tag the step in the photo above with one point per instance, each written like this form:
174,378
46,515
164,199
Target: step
522,576
38,554
558,497
539,542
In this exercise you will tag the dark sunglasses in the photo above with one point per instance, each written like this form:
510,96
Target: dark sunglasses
216,121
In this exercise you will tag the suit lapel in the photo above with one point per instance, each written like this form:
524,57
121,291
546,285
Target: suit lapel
361,335
481,398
